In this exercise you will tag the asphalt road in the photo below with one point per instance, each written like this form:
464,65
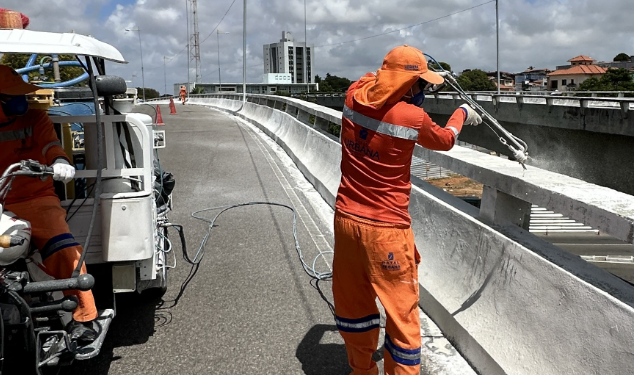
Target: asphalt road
250,308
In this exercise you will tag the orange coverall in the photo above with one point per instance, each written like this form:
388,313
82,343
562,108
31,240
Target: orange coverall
183,94
32,136
375,253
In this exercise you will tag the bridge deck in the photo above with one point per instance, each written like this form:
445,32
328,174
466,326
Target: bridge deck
250,307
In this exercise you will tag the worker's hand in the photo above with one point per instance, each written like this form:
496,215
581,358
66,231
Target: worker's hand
62,171
472,117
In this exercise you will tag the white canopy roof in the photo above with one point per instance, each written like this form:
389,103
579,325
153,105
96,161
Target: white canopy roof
41,42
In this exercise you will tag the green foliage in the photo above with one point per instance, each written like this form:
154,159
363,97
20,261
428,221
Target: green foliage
476,80
149,93
333,83
622,57
433,66
613,80
17,61
197,90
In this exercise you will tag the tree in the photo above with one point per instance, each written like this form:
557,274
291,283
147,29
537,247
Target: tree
197,90
17,61
613,80
149,93
622,57
333,83
476,80
433,66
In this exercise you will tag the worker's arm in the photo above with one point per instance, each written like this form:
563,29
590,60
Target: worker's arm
46,138
434,137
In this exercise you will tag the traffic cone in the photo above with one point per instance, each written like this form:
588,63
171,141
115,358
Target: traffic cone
172,107
159,118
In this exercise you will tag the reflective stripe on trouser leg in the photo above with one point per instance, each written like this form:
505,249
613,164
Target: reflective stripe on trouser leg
357,315
60,250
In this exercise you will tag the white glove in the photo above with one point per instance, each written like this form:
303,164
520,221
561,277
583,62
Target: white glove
473,118
62,171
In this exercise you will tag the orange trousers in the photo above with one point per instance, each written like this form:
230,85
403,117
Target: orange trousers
60,252
376,259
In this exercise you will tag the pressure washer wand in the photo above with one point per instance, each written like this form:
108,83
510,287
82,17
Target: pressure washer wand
519,148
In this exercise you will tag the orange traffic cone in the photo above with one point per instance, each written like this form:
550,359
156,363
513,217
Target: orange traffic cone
172,107
159,118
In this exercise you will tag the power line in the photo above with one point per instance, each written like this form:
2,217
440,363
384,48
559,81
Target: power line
207,37
406,27
223,17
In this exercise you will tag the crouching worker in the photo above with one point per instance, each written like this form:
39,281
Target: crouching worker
29,134
375,254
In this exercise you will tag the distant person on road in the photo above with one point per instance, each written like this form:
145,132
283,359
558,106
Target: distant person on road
375,253
183,94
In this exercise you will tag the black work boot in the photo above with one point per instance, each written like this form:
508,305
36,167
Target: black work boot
82,332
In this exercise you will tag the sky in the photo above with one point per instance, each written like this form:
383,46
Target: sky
351,37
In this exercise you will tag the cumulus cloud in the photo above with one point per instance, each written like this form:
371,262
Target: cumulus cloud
539,33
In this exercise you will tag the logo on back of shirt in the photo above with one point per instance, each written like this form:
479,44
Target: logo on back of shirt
363,134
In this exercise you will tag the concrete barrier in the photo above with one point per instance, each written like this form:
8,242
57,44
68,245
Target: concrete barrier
509,301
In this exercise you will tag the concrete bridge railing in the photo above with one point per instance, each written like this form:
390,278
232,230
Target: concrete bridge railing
509,301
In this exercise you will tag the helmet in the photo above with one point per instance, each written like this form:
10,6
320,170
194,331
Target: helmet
20,232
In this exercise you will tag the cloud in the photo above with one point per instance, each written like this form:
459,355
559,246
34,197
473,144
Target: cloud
541,33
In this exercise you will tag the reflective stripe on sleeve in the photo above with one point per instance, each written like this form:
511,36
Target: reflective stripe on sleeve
51,144
408,357
455,131
14,135
368,323
382,127
58,243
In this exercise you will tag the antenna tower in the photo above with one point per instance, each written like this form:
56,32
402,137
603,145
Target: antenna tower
195,42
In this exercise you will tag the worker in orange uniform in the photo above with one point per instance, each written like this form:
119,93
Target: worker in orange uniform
375,254
29,134
183,94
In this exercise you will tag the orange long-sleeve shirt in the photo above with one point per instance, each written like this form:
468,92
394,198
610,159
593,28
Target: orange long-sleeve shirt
377,147
31,136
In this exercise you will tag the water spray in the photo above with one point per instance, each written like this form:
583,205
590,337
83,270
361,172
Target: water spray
518,148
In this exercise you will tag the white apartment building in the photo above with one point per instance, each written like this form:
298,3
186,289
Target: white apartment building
287,56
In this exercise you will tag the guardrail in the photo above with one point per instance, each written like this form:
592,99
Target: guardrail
510,302
570,99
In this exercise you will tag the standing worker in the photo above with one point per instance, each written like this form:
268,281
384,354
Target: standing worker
183,94
29,134
375,253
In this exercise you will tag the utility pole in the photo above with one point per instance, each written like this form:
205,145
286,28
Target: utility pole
195,36
306,65
497,33
188,52
244,52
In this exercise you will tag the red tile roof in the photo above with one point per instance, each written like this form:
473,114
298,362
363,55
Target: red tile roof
579,70
581,58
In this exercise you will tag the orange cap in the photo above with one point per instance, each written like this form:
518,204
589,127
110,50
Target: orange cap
409,59
402,67
11,83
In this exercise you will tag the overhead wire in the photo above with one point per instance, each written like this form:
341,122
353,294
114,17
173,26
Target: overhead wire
406,27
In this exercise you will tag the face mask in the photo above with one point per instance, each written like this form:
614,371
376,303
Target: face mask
16,106
418,99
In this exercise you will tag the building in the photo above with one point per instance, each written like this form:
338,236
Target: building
287,56
269,87
567,78
532,79
506,80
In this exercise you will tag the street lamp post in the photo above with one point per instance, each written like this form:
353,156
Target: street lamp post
306,65
218,32
497,36
141,51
